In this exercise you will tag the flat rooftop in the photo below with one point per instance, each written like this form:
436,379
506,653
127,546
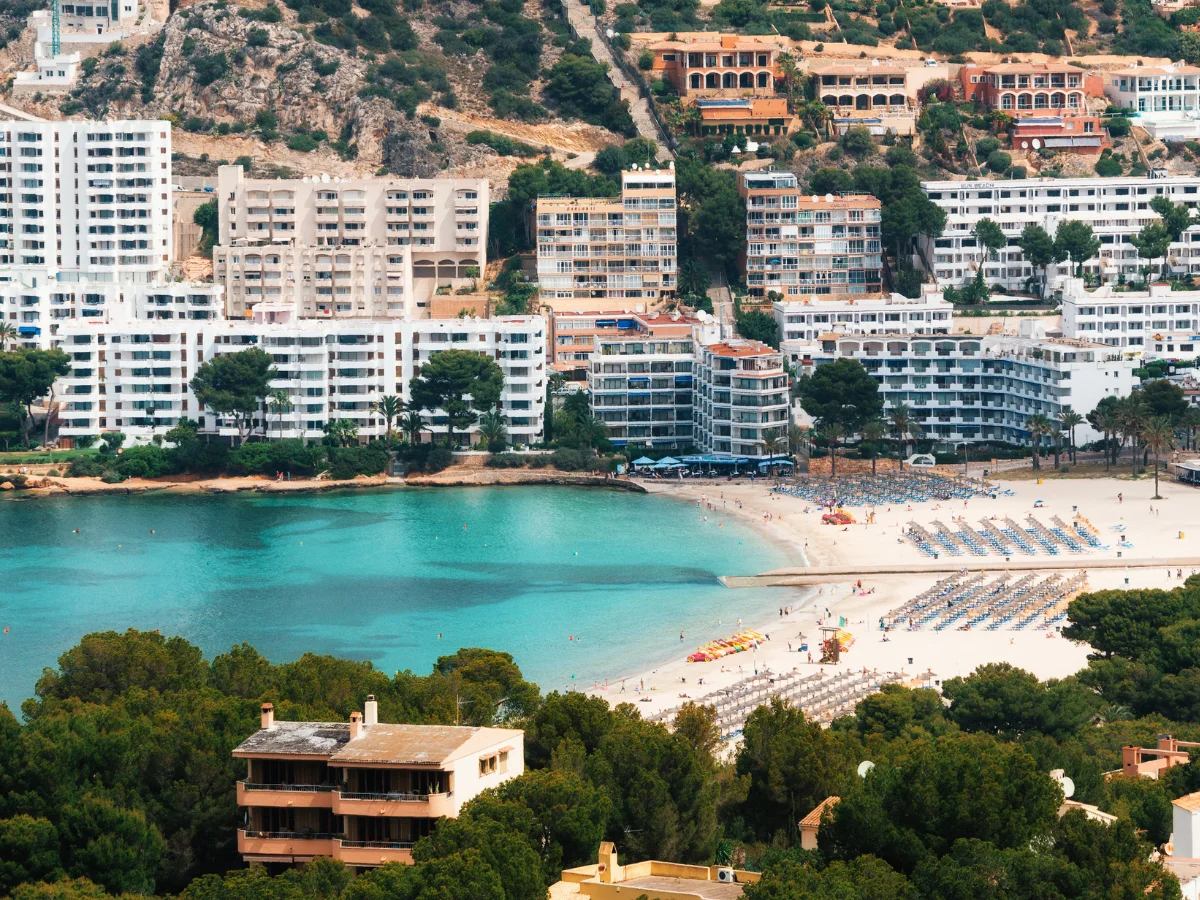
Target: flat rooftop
380,743
709,890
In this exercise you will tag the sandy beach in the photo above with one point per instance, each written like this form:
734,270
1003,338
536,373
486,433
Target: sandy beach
795,525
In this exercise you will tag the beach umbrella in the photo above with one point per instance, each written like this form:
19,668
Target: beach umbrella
668,461
643,461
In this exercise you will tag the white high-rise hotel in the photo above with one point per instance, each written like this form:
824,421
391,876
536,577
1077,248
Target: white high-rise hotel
85,218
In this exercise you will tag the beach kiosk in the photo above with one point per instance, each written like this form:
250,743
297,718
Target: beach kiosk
831,648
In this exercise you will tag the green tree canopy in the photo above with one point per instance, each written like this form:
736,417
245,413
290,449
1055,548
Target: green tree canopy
1040,251
235,384
27,375
461,384
840,392
1075,241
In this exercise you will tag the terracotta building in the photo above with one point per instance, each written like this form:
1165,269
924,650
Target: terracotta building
726,65
364,791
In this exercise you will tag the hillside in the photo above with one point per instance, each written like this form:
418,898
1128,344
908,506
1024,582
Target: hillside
352,87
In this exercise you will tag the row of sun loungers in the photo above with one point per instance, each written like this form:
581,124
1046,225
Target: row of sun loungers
968,603
885,490
822,697
1007,539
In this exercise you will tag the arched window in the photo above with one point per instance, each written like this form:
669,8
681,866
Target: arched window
695,80
1006,101
729,80
879,100
845,100
746,80
829,100
764,80
1024,101
1041,101
862,101
897,100
711,80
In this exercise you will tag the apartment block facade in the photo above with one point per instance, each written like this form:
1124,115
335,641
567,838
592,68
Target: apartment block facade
641,381
88,199
610,248
352,248
1116,208
134,375
1165,100
800,245
741,400
85,218
1020,86
1156,324
361,792
986,388
803,324
872,94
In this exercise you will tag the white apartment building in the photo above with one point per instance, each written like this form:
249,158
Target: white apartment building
640,376
1165,100
741,398
85,218
802,323
985,388
1116,208
347,248
610,248
1158,323
38,306
134,375
87,199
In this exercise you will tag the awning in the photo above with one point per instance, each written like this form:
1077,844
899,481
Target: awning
28,329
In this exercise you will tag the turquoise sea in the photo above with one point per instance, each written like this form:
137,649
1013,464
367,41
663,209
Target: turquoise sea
397,577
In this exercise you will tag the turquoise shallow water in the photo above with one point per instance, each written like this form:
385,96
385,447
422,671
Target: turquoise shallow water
378,575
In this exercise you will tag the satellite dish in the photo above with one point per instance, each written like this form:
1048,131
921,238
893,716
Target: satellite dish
610,32
864,767
1024,145
829,198
1068,787
1037,144
815,198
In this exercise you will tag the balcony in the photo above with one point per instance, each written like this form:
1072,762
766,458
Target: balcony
346,803
287,844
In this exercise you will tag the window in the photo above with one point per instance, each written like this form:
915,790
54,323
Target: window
487,765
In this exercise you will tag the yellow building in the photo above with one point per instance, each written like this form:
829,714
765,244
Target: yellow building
608,880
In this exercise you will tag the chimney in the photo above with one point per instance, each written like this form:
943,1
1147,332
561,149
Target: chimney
370,712
268,716
355,725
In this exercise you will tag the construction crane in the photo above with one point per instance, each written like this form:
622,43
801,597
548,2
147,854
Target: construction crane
55,30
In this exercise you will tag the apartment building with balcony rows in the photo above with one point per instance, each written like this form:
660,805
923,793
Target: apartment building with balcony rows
802,324
610,248
347,248
986,388
1116,208
82,205
800,245
1165,100
741,400
134,375
1158,323
361,792
640,377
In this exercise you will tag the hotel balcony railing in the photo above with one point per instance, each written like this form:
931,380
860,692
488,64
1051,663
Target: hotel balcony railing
292,835
252,786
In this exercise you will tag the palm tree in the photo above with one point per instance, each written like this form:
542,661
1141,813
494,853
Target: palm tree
772,442
1189,423
280,401
1068,421
389,406
341,432
493,430
904,425
587,430
1112,713
873,430
797,438
818,114
1039,425
413,424
833,433
1106,420
792,78
1158,435
8,334
1134,415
